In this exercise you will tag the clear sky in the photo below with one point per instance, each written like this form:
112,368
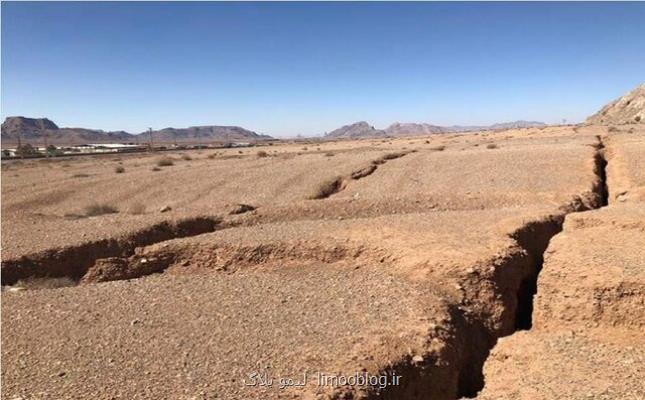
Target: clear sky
306,68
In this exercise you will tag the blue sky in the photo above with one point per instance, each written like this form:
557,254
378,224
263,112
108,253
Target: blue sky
306,68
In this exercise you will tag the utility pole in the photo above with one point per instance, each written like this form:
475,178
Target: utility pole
150,138
19,149
46,148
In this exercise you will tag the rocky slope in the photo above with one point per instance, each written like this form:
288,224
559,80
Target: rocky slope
629,109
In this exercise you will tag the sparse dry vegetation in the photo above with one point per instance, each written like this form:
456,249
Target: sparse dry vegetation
81,175
165,162
119,169
491,146
438,148
262,153
186,157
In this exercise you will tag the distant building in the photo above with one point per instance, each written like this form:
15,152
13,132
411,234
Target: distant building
92,148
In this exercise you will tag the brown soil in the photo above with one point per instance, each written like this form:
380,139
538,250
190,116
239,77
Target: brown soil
415,263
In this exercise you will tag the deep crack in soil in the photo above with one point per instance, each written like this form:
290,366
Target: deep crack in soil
339,183
534,238
456,372
74,261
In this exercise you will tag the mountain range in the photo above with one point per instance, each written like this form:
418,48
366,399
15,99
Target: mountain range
363,129
628,109
34,130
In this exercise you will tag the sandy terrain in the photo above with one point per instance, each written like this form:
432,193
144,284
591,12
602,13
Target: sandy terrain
407,257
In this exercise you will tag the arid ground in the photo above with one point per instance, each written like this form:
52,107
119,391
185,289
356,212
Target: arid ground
498,265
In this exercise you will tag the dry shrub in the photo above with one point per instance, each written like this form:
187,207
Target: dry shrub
137,208
100,209
165,162
80,176
119,170
491,146
262,153
438,148
327,188
155,169
613,129
186,157
212,156
329,154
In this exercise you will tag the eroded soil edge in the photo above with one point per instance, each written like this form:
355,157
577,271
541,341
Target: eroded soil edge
74,261
457,371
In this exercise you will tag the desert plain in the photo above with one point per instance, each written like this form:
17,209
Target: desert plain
495,265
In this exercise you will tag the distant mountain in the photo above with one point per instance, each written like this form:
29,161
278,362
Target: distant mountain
364,130
409,129
499,126
33,130
206,132
629,109
355,131
27,127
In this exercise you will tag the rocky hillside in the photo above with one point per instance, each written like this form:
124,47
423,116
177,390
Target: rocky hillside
629,109
33,130
355,131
